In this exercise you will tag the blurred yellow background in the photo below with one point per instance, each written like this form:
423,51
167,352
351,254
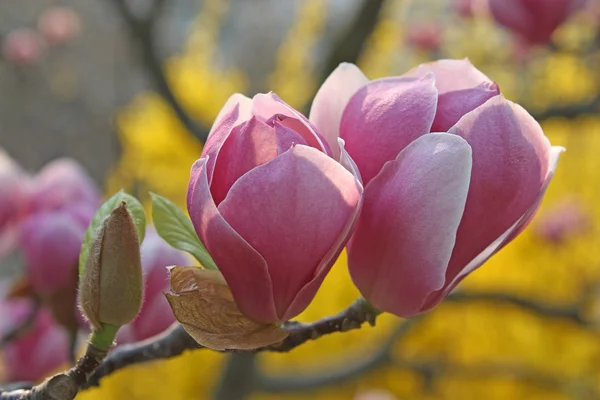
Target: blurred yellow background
484,347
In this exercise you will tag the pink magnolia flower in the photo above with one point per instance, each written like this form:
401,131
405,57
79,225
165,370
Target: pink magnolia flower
375,395
14,186
566,219
534,21
156,314
39,351
425,35
437,205
55,216
271,206
23,46
59,25
62,183
50,242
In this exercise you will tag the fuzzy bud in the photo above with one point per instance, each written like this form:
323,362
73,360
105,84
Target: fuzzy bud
112,287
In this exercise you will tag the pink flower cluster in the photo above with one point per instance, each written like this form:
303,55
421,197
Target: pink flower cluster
44,217
423,176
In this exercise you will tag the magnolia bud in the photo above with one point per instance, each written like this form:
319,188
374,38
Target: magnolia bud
112,287
204,305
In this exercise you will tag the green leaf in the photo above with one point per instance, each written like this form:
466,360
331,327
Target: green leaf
174,226
135,209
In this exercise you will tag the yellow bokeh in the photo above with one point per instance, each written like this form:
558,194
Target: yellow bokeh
473,350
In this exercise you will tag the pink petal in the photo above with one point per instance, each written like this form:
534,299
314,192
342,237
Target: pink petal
503,240
244,269
61,182
244,110
155,317
453,105
39,351
384,116
331,100
267,105
293,211
403,241
533,20
461,88
249,145
452,75
219,133
157,255
10,198
50,242
307,293
286,137
510,165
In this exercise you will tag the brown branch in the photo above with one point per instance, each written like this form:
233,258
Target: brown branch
176,340
168,344
377,359
63,386
141,30
571,313
570,111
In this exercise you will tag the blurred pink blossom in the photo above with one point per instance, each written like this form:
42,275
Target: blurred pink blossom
562,221
425,35
156,314
59,25
42,349
23,46
533,21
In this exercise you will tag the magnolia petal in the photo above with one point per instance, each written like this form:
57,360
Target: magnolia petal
249,145
244,269
510,166
244,110
405,234
331,100
452,75
50,242
286,137
61,182
309,198
461,88
269,104
307,293
204,305
503,240
219,133
383,117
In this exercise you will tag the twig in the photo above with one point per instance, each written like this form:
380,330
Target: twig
176,340
570,313
141,31
379,358
239,377
170,343
63,386
570,111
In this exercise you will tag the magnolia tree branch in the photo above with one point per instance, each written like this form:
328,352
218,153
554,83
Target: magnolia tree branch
573,313
142,31
176,340
63,386
377,359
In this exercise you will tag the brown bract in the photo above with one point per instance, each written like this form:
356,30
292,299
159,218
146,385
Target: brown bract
204,305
